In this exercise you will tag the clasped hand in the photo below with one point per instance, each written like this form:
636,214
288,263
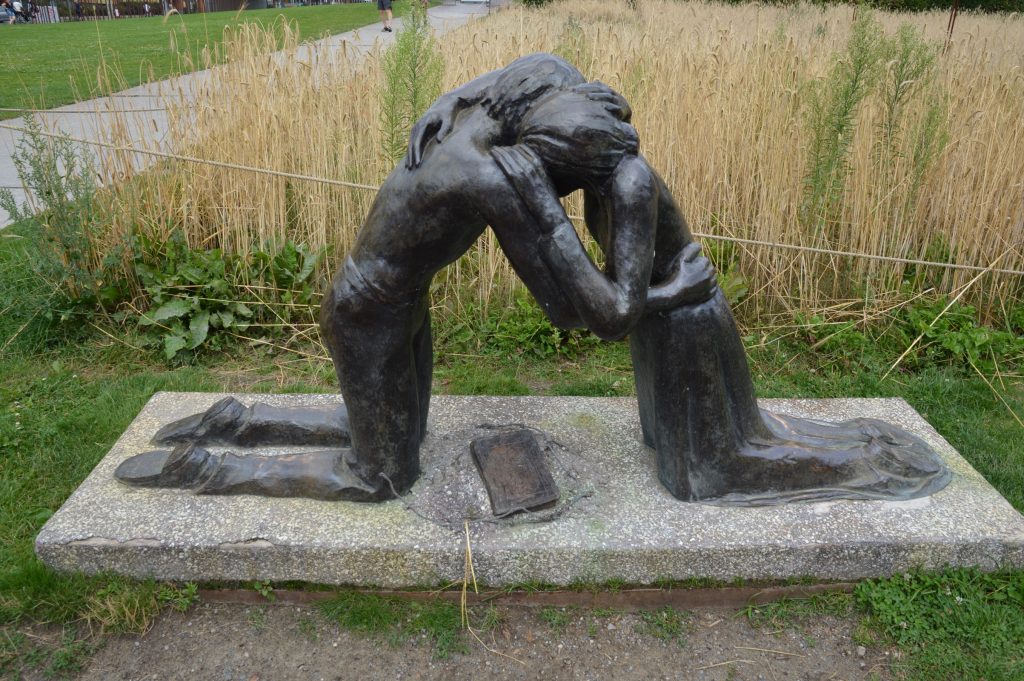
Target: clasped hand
692,281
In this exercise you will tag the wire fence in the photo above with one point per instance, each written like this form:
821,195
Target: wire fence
59,112
368,187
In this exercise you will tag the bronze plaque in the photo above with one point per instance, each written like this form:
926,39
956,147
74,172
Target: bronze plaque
514,472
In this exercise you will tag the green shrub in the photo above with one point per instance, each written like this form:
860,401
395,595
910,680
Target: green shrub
952,337
833,111
203,298
927,5
521,329
957,338
413,68
573,46
68,259
189,293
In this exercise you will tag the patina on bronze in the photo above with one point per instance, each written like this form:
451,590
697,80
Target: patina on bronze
514,472
500,151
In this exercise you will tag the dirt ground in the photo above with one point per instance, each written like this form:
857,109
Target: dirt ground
227,642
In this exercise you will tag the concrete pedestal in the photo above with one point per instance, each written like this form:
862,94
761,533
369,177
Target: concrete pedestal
614,520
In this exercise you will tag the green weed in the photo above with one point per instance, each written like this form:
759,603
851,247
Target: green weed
490,619
574,47
265,589
605,612
954,336
308,628
68,260
726,259
71,656
413,68
122,606
60,659
615,585
955,624
834,106
257,618
556,618
791,613
945,334
179,598
666,624
191,297
910,69
397,620
204,298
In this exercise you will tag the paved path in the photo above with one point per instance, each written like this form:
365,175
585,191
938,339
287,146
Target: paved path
85,119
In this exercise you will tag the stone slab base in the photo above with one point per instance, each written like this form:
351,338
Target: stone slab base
614,521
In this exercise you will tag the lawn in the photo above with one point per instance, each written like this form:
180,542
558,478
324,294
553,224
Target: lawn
67,392
39,76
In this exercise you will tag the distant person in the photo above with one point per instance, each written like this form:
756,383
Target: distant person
146,10
78,10
7,12
117,13
385,14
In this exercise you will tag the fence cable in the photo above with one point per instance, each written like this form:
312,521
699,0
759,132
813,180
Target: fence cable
193,159
369,187
58,112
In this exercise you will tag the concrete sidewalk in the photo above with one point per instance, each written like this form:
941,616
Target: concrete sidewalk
141,108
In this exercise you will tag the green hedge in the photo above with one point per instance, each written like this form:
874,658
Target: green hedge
923,5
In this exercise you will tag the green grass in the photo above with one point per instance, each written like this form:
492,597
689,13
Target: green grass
960,405
792,612
66,395
557,619
59,660
398,621
959,624
667,624
138,50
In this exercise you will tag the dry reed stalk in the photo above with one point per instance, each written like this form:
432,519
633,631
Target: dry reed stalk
721,95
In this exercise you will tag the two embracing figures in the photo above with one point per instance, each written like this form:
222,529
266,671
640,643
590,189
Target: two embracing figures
500,151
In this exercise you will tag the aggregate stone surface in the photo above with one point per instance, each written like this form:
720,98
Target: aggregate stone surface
613,521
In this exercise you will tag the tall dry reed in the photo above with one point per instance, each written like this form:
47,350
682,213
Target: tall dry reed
727,100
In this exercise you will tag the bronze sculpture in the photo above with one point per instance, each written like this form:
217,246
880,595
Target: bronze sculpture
500,151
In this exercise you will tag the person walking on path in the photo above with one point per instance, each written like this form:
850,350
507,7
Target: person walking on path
385,14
